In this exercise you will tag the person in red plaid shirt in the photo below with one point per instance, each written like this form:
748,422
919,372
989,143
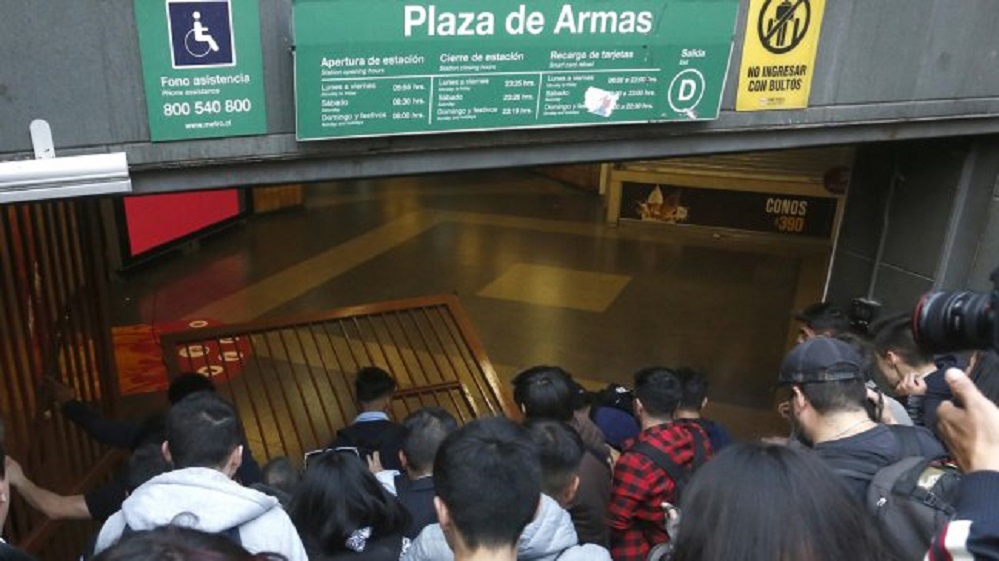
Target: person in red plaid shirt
642,478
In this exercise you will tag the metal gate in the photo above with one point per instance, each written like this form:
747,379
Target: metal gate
53,323
292,379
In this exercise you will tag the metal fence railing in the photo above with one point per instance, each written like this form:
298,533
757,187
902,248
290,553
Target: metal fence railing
53,322
292,379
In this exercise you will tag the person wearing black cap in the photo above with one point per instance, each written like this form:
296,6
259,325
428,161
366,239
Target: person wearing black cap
823,383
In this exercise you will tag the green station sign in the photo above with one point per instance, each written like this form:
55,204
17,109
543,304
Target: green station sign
202,69
387,67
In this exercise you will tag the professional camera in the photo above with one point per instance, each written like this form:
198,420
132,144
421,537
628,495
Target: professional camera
954,321
863,312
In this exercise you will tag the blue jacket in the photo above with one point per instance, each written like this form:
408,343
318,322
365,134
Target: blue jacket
974,532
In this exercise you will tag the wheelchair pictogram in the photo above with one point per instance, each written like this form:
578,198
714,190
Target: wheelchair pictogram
200,33
198,41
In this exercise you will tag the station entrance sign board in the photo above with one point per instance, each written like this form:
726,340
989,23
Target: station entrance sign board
388,67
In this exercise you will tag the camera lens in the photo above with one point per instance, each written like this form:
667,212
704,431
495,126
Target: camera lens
952,321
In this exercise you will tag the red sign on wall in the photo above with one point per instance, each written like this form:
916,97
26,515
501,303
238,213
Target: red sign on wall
155,220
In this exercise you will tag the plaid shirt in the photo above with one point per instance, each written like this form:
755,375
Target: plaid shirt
635,513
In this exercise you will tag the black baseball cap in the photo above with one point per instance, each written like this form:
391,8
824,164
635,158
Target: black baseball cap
821,359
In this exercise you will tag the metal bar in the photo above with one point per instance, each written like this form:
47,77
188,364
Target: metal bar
350,347
460,348
381,346
485,365
402,358
267,397
348,313
326,371
412,347
98,279
440,343
364,343
15,320
412,392
284,395
76,312
249,392
63,338
298,386
343,372
80,304
430,350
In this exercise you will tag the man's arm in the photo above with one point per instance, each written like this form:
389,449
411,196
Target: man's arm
114,433
52,505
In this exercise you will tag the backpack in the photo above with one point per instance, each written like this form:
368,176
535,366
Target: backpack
911,499
680,476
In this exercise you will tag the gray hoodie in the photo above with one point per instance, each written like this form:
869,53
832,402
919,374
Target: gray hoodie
206,499
550,534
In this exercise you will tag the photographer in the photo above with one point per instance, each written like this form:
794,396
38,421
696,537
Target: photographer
822,381
969,425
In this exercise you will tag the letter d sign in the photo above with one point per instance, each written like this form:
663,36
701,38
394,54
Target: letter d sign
685,91
688,89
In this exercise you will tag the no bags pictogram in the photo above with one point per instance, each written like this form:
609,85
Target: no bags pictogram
782,24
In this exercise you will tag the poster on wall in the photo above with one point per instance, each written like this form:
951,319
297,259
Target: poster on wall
384,67
778,54
796,215
202,69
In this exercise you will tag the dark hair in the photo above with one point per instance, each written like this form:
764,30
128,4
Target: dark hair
280,474
488,475
616,396
145,463
695,388
560,450
188,383
840,395
338,495
545,392
895,334
771,502
824,318
373,383
426,429
202,430
659,390
178,543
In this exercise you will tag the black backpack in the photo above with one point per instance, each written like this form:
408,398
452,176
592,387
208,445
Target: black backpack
911,500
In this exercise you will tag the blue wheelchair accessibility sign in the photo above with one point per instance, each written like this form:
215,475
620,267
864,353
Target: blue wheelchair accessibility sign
200,33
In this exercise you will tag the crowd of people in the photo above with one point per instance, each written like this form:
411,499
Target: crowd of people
627,474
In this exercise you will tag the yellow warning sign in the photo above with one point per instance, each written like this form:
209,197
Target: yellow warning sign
778,54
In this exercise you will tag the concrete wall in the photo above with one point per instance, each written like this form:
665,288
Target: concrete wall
920,216
886,69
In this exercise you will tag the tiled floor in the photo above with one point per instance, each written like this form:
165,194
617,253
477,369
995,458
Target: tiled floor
543,285
543,279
